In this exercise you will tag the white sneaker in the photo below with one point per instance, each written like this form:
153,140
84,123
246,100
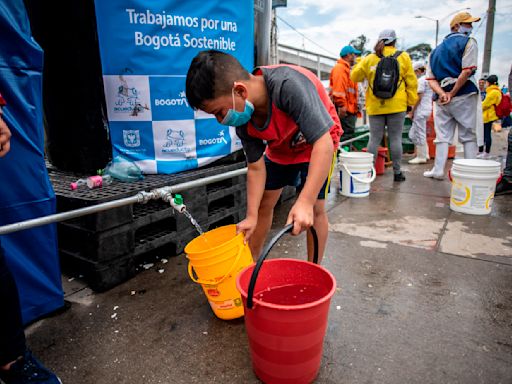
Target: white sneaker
418,160
434,175
483,155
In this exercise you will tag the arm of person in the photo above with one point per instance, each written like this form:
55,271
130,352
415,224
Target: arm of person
5,136
359,72
415,107
339,92
256,177
491,99
301,214
444,98
410,79
461,80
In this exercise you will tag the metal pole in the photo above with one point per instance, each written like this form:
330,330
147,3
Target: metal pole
489,29
262,20
437,31
274,58
353,139
140,197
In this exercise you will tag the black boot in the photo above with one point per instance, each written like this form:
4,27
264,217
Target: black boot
503,187
399,177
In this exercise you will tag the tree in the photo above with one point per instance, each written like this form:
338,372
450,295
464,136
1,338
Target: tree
419,52
359,43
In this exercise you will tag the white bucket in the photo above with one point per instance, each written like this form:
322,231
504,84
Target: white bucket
356,174
473,185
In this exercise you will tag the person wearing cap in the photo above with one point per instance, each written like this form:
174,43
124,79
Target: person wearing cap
344,91
492,99
450,72
390,112
420,114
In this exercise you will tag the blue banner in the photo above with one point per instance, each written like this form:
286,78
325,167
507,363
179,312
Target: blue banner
146,49
26,192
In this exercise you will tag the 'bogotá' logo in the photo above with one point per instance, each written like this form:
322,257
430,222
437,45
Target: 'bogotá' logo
220,139
179,101
131,138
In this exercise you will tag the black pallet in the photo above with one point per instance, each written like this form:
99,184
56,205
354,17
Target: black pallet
69,200
150,243
147,218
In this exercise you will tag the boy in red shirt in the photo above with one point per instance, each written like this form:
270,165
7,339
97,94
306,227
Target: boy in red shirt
289,129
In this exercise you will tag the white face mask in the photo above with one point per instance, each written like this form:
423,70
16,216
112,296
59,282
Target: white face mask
465,30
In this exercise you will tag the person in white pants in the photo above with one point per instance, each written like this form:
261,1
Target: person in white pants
450,73
420,114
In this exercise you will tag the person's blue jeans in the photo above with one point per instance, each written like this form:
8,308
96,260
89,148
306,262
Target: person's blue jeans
12,335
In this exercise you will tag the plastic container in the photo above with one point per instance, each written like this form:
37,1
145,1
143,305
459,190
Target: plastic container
92,182
452,149
286,311
123,169
473,185
380,162
356,174
216,257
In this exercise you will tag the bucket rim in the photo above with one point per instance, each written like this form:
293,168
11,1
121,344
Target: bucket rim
212,248
356,155
481,163
282,307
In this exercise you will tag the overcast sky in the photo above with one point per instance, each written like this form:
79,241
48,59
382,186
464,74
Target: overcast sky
333,23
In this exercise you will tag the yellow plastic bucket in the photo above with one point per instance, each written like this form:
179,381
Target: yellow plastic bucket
216,257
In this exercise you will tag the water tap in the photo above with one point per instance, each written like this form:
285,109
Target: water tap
177,203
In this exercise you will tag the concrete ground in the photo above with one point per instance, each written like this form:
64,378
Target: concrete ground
425,297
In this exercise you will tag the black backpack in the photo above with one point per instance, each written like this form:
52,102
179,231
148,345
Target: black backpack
386,78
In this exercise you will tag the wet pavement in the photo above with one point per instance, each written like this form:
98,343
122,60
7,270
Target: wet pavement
425,296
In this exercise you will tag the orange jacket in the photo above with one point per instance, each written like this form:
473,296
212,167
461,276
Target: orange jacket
343,90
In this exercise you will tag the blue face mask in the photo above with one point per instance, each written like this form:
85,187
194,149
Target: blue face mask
465,30
234,118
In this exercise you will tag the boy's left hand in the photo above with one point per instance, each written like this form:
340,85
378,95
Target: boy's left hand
301,215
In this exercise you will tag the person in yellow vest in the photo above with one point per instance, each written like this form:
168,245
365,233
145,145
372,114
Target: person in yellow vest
492,99
387,110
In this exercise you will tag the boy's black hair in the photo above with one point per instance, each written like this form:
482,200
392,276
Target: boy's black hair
211,74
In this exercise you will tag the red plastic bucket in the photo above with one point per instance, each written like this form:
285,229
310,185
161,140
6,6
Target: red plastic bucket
286,310
380,161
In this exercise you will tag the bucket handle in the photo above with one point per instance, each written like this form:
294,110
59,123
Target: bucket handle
265,252
374,175
215,282
500,177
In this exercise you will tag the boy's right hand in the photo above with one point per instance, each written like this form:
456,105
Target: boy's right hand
247,227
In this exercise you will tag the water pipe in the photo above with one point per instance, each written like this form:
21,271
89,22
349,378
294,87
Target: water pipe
353,139
141,197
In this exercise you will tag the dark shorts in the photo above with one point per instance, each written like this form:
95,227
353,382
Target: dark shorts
280,175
